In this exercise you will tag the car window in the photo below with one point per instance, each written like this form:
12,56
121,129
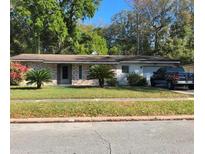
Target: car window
163,70
159,70
175,69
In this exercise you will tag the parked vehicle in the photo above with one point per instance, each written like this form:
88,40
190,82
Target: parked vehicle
172,77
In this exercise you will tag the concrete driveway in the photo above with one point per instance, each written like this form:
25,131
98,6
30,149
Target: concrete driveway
182,91
148,137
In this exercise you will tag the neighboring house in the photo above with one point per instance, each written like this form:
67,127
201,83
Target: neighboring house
73,69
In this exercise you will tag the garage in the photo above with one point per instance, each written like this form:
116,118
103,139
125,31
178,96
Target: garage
148,72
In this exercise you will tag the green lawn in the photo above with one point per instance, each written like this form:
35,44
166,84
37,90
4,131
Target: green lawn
37,110
91,92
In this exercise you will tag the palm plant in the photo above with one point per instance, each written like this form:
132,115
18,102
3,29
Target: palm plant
100,72
38,77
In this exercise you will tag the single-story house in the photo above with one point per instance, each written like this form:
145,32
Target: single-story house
73,69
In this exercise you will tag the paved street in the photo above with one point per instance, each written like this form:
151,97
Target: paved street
146,137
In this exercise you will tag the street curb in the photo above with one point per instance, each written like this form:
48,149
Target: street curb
102,119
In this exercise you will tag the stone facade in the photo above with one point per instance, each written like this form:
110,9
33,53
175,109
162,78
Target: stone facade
51,67
75,73
84,81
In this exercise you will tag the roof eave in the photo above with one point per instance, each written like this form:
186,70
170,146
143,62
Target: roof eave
150,62
78,62
27,60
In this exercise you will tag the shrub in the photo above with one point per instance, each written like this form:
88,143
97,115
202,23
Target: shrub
136,80
38,77
100,72
142,82
112,82
17,73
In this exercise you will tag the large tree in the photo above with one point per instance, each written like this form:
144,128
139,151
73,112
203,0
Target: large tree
121,35
38,16
140,30
48,26
73,11
90,41
153,27
180,42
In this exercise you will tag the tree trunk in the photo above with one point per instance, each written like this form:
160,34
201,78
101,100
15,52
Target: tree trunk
38,85
37,43
156,42
101,83
138,37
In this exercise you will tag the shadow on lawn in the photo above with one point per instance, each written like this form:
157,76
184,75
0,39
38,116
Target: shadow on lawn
121,88
141,89
23,88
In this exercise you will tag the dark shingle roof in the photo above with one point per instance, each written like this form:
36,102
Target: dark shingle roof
55,58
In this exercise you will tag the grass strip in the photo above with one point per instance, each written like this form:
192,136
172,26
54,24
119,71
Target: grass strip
91,92
94,109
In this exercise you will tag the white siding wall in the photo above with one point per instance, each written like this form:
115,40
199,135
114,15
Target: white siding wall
121,77
145,70
148,72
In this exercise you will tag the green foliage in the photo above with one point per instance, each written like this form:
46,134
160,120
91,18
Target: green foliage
38,77
161,27
90,41
121,35
115,50
38,16
138,31
180,43
48,26
20,40
100,72
112,82
73,11
136,80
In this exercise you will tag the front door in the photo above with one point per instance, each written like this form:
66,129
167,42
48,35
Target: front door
65,74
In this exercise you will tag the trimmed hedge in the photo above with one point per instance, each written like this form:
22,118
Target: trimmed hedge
136,80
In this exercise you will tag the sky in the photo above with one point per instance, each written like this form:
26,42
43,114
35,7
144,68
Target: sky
106,10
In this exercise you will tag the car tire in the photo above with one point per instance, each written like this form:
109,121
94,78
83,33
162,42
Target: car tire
191,87
170,85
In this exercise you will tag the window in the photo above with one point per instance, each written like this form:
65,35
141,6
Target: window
125,69
80,71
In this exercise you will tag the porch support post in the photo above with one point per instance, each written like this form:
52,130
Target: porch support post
58,73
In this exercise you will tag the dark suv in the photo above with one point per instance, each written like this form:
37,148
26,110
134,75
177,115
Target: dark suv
172,77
